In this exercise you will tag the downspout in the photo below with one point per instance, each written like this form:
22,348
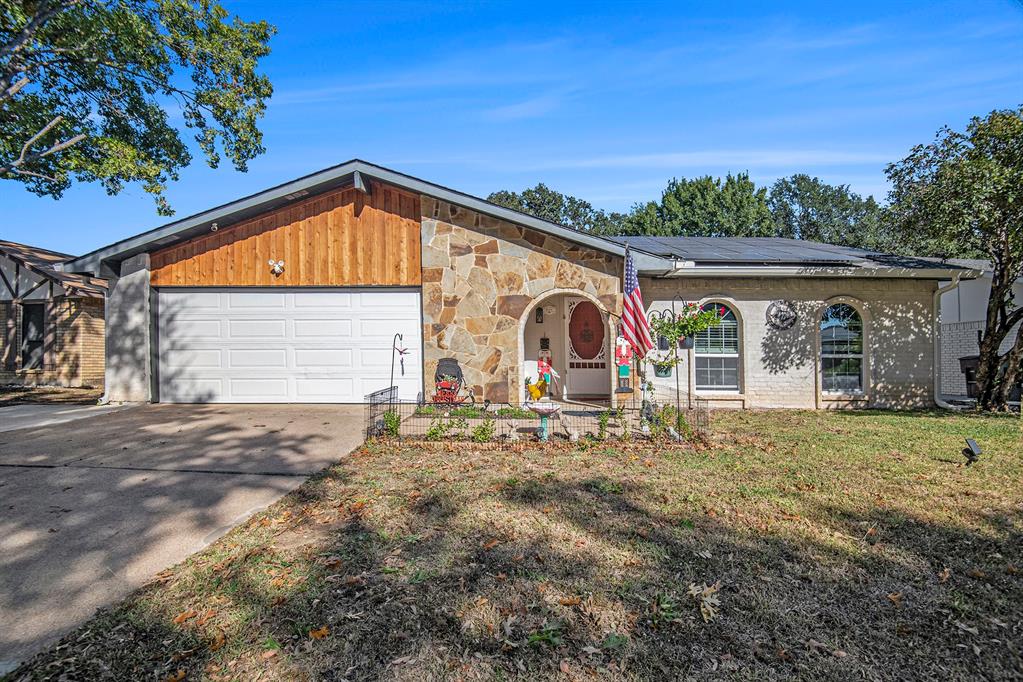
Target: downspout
936,311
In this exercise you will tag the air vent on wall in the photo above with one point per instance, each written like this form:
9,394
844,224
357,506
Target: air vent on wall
296,195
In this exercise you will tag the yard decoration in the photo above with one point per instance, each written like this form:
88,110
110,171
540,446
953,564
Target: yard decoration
623,358
679,327
449,382
544,407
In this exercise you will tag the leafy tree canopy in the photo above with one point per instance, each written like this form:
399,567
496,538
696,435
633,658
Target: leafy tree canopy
808,208
705,207
963,194
543,202
89,91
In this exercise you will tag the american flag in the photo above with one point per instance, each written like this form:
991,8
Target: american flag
635,327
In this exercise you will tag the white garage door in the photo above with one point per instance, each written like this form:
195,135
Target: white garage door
285,345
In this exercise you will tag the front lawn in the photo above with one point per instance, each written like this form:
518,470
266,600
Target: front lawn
823,545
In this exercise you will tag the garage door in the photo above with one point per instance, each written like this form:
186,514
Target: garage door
285,345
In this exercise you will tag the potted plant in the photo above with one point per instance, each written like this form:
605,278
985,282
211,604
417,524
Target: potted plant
681,329
663,361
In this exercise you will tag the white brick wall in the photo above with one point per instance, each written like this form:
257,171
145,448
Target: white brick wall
959,339
779,368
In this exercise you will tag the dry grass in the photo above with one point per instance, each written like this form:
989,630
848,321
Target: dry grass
845,545
48,395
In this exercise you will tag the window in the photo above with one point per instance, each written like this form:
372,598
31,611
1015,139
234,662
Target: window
841,349
717,352
32,316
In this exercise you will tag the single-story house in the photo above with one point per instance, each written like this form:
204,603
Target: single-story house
297,293
963,316
51,322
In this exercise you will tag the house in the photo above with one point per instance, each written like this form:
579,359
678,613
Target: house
300,293
963,315
51,322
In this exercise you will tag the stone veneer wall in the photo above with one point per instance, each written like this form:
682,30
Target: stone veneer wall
778,368
480,276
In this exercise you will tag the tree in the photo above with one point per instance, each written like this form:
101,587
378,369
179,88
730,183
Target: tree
548,204
88,89
964,194
705,207
808,208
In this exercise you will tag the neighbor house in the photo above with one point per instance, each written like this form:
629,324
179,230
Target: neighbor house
963,316
301,293
51,322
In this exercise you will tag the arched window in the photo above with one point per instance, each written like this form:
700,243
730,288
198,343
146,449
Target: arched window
841,349
717,352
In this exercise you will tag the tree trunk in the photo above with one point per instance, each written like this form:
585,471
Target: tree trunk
1012,362
988,366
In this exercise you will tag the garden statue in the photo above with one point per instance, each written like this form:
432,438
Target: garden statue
623,358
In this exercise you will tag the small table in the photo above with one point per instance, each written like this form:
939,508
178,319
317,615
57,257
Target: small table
544,407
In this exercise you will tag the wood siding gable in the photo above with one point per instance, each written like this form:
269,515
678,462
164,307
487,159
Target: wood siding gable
342,238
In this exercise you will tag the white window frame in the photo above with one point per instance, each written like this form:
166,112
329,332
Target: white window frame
861,356
737,389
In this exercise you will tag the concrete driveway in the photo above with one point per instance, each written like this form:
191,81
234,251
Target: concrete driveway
94,507
17,417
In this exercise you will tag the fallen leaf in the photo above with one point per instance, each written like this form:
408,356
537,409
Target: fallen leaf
219,641
267,655
332,562
966,628
319,633
1011,569
205,617
944,575
490,545
977,574
570,601
838,653
565,667
895,598
501,577
184,615
175,676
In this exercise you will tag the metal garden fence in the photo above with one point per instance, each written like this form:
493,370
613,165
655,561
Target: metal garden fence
514,422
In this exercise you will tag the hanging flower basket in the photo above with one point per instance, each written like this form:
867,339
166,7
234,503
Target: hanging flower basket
662,371
686,342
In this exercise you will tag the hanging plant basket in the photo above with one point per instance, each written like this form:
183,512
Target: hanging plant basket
686,342
662,371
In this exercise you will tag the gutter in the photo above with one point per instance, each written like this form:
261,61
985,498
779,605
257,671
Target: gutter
935,312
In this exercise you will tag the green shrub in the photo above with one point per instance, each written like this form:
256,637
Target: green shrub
484,431
515,412
603,419
468,411
392,423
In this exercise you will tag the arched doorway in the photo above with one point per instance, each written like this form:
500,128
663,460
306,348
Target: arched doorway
574,328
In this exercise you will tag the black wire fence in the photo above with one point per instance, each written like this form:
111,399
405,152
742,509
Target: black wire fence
496,422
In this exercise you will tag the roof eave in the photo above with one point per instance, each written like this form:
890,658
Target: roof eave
822,271
352,173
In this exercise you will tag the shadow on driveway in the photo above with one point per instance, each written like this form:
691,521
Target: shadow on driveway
95,507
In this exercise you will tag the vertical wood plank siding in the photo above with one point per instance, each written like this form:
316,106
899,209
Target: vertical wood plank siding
343,238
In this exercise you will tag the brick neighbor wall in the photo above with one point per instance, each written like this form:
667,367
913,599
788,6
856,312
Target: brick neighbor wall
778,368
959,339
77,358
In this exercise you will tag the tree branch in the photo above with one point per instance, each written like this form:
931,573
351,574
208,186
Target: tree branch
17,43
26,158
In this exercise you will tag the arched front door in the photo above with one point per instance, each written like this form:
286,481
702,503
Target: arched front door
586,341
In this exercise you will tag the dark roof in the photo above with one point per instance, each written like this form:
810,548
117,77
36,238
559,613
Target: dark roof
355,173
653,256
771,251
42,262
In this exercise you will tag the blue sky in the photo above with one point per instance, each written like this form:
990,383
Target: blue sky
606,101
